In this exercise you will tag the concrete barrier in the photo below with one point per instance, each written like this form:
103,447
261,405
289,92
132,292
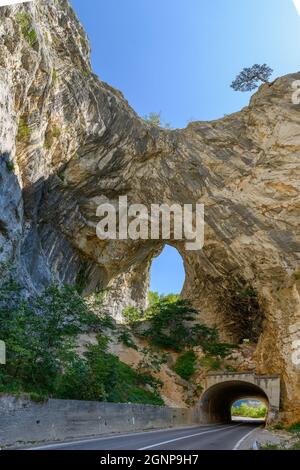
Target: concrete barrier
25,422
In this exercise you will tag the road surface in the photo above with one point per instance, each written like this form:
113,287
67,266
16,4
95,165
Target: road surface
204,437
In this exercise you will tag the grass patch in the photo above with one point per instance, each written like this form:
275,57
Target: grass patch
185,365
294,428
37,397
29,33
278,427
284,446
296,276
210,363
295,446
50,136
23,129
54,76
270,446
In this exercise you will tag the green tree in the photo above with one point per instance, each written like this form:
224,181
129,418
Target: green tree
156,119
249,78
42,359
38,333
168,319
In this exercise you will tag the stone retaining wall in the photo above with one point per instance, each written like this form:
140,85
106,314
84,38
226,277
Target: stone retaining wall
25,422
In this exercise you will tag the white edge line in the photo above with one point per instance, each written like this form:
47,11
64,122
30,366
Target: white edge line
237,445
112,436
187,437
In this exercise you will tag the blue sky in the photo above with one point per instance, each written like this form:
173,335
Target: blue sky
178,57
167,272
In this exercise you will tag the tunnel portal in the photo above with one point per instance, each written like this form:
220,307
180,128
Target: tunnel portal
222,390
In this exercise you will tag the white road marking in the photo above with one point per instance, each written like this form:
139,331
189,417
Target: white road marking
237,445
187,437
87,440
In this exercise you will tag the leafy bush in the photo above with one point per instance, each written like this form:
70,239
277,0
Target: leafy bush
153,298
173,326
10,166
102,376
185,365
40,335
218,349
126,339
132,315
294,428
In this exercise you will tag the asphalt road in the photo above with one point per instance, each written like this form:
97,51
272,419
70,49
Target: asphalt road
204,437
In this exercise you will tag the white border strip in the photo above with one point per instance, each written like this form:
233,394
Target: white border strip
5,3
112,436
237,445
297,5
187,437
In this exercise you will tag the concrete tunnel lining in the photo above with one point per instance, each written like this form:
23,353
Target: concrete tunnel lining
217,400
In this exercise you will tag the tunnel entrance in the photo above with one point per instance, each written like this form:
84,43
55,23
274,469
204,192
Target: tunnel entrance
217,400
249,410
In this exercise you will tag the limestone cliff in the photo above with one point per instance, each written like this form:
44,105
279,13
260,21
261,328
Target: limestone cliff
69,141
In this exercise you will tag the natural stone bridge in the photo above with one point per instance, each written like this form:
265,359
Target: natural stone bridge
222,390
74,143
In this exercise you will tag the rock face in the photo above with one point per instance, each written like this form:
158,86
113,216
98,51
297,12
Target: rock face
69,141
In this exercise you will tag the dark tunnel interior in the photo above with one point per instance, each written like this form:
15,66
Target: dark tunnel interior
216,402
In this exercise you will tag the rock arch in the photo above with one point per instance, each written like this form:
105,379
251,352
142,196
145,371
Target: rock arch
244,168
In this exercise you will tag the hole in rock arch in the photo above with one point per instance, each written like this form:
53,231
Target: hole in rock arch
167,273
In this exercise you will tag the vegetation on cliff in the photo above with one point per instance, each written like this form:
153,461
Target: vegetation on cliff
170,324
185,365
42,350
